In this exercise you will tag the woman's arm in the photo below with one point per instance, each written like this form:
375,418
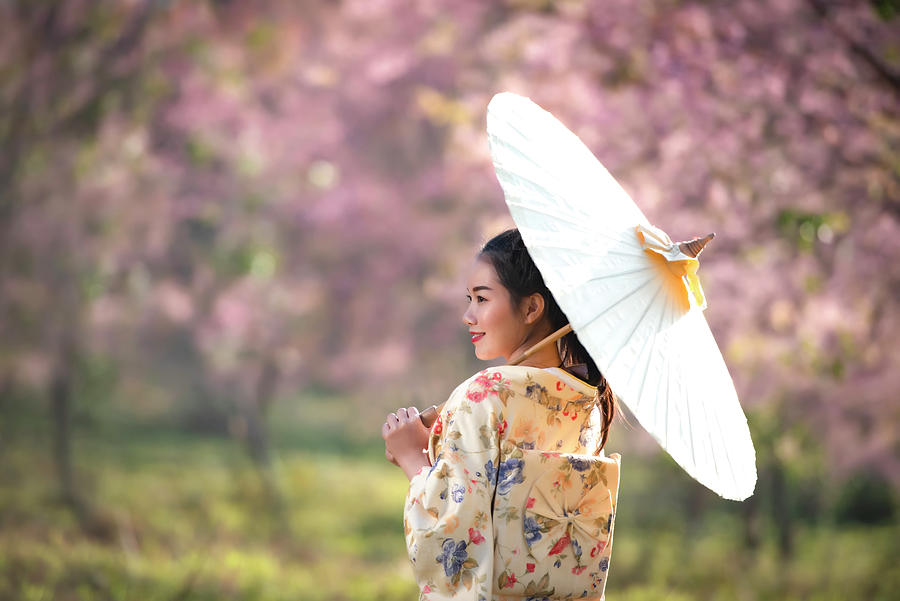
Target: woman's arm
447,514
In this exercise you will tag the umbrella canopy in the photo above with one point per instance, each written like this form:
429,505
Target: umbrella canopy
631,294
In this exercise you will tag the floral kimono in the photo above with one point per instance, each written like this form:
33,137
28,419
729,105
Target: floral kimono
519,503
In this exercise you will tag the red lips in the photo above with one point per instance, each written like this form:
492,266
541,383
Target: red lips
476,336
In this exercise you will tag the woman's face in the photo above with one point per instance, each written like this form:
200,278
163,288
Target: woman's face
496,328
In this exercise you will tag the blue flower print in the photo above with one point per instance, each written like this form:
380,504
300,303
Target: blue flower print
436,461
532,531
577,548
510,473
579,465
458,492
491,472
453,557
604,564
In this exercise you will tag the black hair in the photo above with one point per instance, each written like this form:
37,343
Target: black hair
507,254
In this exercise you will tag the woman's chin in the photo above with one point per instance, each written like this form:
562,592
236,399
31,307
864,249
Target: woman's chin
487,355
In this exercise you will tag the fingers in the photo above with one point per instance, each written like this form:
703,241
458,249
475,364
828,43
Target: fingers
401,417
407,414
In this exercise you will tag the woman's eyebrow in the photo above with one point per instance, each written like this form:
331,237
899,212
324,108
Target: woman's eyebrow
477,288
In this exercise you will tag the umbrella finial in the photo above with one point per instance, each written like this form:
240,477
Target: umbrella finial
693,248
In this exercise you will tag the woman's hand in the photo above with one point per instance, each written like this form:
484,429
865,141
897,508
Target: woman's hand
404,439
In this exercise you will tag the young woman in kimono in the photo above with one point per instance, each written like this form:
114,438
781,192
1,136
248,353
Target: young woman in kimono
513,497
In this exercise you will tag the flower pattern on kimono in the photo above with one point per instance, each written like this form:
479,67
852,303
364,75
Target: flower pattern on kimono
453,557
436,462
458,493
532,530
579,464
491,472
510,473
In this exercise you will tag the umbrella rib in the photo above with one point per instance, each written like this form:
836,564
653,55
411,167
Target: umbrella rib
727,459
637,324
540,211
567,141
666,407
724,446
580,247
651,342
668,372
690,428
597,278
666,313
514,158
611,305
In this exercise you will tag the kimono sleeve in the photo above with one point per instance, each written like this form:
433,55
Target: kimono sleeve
447,514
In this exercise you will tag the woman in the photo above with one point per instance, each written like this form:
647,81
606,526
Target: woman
514,498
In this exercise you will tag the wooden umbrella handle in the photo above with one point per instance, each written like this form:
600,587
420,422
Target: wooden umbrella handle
543,343
430,415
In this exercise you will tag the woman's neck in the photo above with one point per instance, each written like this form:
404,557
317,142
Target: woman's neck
545,357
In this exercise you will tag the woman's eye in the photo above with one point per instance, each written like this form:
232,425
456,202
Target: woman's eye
481,299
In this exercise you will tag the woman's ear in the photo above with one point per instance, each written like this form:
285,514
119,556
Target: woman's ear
533,307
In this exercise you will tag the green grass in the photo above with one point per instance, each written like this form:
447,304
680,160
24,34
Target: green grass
187,517
184,517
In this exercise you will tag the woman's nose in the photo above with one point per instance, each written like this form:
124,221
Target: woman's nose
468,318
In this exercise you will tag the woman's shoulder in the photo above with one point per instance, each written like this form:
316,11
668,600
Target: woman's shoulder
526,375
505,380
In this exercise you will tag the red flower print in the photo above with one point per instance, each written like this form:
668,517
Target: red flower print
475,536
483,379
476,396
578,569
427,589
497,376
560,545
530,503
574,415
501,428
529,567
510,580
598,548
438,426
559,385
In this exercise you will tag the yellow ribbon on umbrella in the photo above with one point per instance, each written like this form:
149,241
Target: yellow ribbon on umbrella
677,261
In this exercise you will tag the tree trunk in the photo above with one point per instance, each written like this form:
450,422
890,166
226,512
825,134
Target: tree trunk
781,509
254,411
61,387
750,513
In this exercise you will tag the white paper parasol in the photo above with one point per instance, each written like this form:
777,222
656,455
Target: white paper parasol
631,294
